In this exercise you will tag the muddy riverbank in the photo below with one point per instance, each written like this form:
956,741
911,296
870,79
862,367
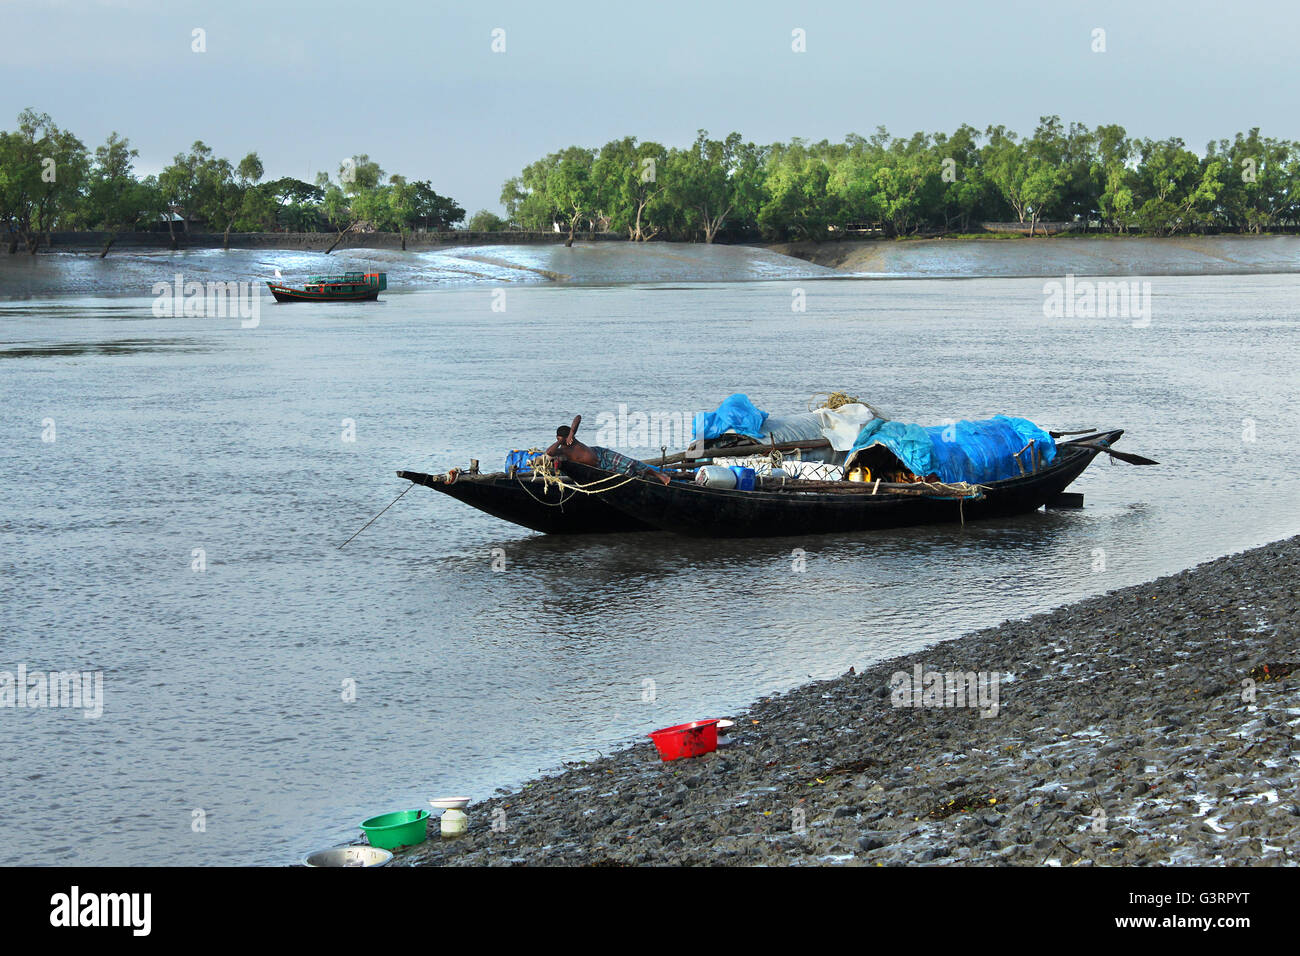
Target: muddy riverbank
1152,725
1011,256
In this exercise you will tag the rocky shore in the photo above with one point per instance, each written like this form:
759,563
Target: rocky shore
1153,725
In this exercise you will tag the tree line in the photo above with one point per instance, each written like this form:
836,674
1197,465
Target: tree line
1099,179
49,180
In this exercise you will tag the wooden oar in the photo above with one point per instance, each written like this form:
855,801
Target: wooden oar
1121,455
1130,457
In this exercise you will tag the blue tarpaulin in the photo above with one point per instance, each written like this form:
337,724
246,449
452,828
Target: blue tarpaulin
736,413
979,451
910,444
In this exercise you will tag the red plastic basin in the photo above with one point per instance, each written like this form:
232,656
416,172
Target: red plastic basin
686,740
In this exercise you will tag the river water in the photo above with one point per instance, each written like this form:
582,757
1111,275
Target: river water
228,732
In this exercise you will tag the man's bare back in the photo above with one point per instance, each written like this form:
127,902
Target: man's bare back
568,447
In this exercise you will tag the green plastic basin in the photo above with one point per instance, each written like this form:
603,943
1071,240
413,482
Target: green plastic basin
388,831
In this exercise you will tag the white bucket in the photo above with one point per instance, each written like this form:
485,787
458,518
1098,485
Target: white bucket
715,476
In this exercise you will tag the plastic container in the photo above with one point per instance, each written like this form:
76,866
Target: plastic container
521,460
686,740
349,856
715,476
744,477
388,831
454,820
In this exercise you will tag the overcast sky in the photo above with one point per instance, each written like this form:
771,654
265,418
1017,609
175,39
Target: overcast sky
417,86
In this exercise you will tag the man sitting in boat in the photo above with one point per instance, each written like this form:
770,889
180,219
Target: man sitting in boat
568,447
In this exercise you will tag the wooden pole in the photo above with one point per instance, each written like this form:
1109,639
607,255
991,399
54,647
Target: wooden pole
744,451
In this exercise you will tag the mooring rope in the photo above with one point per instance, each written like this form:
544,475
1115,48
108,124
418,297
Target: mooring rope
958,489
376,517
545,467
542,501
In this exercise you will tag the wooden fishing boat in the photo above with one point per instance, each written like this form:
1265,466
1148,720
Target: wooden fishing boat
780,507
349,287
524,499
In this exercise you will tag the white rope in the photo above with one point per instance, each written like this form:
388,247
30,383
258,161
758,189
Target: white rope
550,477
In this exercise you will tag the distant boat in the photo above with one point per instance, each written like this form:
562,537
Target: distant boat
349,287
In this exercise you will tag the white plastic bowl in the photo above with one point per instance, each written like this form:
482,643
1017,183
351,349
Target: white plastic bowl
451,803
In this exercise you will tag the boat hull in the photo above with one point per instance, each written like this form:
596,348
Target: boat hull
286,294
699,511
524,501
